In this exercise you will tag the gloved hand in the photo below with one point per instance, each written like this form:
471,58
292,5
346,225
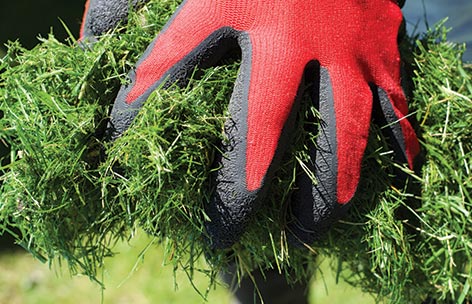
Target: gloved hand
351,50
101,16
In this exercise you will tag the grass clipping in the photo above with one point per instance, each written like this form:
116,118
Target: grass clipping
64,200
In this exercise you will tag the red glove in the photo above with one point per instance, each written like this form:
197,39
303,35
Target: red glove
354,45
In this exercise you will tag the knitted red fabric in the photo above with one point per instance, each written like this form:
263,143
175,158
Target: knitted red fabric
84,20
355,40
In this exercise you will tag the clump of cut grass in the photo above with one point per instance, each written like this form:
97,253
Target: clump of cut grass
55,101
72,195
413,241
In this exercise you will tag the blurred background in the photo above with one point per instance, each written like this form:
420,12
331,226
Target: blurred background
25,20
421,14
25,280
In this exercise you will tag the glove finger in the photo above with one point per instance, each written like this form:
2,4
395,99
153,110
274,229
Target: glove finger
315,205
261,118
336,158
405,144
100,16
184,43
338,151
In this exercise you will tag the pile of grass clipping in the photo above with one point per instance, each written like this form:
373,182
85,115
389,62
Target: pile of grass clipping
68,195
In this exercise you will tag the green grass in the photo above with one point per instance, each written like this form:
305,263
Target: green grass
72,205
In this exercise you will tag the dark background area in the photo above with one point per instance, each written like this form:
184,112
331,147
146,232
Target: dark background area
25,20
